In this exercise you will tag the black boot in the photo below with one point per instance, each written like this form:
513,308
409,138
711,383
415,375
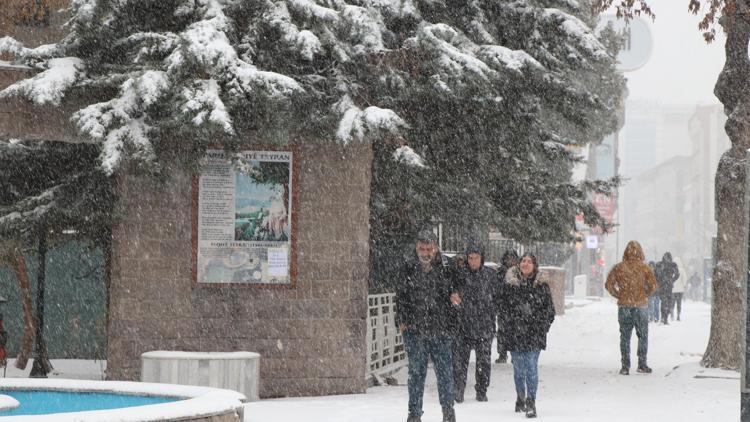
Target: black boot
449,415
414,418
458,395
530,408
520,404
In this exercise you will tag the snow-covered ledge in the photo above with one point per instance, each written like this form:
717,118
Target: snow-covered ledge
195,404
8,402
239,371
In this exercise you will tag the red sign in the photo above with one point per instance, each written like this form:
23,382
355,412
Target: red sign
605,205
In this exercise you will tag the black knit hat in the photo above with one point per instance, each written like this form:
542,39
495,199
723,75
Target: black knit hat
427,236
475,248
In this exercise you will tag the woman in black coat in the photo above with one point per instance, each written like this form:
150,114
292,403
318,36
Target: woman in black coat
527,311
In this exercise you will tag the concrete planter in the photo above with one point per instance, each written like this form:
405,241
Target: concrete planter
238,371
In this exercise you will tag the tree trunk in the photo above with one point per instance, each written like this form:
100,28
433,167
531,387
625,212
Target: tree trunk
724,348
18,264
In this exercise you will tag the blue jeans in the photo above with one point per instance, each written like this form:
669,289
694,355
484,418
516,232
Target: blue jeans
653,308
526,372
419,350
630,318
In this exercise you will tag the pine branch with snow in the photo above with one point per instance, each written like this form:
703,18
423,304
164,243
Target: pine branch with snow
484,92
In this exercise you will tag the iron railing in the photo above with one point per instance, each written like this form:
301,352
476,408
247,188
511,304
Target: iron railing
386,353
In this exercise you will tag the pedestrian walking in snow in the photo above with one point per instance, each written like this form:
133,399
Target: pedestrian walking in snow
694,287
426,315
653,300
666,274
508,261
631,282
527,313
477,286
678,290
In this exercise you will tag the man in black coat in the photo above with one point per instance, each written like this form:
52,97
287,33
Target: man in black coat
477,286
426,315
666,274
508,261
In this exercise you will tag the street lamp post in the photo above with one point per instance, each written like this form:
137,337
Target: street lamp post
3,339
41,366
744,384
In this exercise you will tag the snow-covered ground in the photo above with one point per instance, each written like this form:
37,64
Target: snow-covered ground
578,380
77,369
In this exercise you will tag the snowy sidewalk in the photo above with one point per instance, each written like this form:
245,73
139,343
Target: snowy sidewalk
578,381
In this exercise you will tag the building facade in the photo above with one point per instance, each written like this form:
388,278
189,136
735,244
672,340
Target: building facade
311,335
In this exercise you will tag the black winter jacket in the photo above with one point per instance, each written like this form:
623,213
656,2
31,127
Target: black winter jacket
423,300
666,273
527,311
476,313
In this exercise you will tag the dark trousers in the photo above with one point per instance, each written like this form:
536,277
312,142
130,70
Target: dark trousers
677,299
419,350
502,350
666,307
462,347
630,318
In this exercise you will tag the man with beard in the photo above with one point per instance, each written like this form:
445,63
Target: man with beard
426,303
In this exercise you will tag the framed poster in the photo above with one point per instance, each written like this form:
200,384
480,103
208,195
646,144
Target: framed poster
243,228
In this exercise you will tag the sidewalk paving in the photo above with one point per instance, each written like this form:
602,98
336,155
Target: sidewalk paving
578,381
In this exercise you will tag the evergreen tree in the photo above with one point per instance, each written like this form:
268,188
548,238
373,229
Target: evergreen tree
55,184
54,192
489,98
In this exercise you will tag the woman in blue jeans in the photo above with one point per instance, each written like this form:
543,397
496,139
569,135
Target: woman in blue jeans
527,311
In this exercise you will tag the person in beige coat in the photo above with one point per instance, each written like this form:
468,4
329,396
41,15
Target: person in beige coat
631,282
678,289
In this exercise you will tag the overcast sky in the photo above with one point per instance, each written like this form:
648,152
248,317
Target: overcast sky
682,68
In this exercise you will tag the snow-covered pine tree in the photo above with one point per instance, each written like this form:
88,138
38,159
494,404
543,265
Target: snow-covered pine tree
498,149
60,185
50,192
489,96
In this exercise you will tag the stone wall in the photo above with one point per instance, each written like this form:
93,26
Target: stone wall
311,337
31,33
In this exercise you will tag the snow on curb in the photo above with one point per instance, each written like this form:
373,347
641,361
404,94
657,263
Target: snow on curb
8,402
198,402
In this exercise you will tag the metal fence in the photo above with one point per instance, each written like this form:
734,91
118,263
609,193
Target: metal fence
386,353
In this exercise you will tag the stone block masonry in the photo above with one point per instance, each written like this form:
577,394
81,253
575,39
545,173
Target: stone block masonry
311,337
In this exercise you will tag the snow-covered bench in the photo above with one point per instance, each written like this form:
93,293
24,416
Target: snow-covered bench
238,371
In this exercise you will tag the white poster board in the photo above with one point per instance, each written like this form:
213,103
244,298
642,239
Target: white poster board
244,222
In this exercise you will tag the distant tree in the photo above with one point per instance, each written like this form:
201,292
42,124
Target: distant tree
725,343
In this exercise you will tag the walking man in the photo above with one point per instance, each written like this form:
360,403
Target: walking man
666,274
477,286
426,313
631,282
